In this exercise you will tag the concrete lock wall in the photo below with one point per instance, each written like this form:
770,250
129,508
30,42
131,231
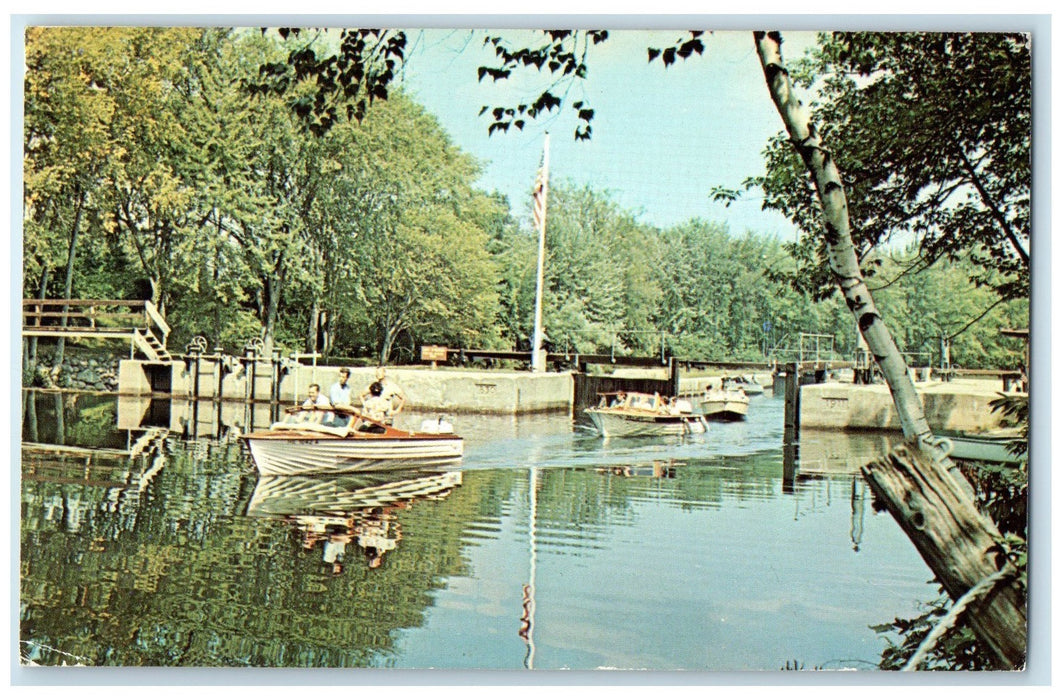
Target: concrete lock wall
948,406
444,389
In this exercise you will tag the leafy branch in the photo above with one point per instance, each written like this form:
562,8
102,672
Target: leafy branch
563,57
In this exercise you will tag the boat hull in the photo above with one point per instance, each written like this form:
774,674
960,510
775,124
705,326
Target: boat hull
291,455
615,424
729,406
982,448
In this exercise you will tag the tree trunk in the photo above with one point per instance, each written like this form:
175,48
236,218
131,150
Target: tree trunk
271,311
60,346
42,293
955,541
387,344
314,327
930,494
844,263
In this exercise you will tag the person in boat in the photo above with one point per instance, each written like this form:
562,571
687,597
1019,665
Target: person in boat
340,392
376,408
314,399
618,401
339,395
392,393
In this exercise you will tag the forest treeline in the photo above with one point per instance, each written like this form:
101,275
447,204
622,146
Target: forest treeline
156,167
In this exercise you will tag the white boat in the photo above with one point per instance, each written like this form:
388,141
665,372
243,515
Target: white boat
988,446
338,441
628,414
725,404
747,383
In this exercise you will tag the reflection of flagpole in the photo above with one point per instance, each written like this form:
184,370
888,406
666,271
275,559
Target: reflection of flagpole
538,211
527,620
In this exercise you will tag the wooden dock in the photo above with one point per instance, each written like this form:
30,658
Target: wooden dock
137,322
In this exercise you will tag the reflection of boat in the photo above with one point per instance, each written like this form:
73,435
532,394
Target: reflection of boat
658,469
335,441
350,509
988,446
746,383
725,404
631,413
337,496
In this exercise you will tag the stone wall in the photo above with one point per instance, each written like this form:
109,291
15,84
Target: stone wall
958,405
444,389
80,370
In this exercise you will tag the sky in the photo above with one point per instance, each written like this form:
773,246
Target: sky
662,138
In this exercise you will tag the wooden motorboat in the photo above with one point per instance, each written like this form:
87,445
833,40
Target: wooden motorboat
746,383
725,404
627,414
340,440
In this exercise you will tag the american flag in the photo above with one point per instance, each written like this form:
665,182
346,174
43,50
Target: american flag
538,207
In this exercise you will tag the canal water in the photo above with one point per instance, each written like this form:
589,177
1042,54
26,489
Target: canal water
147,539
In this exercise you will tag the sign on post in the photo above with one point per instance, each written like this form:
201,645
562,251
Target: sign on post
433,354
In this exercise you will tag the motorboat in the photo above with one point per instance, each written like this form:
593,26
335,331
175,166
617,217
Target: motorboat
987,446
628,414
747,383
723,403
335,440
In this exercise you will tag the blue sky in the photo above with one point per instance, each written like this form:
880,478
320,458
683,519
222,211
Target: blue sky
662,139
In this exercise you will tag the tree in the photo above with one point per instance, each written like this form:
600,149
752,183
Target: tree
932,132
396,235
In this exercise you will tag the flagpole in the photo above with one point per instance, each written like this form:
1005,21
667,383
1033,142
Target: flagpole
538,358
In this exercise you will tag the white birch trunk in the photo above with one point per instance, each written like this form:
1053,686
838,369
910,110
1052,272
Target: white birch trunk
844,263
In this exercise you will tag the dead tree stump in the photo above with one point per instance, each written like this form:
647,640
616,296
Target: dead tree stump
954,540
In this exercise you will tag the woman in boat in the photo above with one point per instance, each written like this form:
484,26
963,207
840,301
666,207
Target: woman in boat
390,391
375,408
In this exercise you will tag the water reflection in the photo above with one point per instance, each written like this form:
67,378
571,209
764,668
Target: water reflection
148,539
359,508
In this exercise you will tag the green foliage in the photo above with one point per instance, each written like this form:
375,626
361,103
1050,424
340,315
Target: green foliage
959,650
932,134
184,165
906,290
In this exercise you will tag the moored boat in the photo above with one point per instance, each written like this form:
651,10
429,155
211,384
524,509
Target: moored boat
629,414
725,404
340,440
988,446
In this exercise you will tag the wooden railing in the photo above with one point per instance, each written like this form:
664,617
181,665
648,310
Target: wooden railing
140,321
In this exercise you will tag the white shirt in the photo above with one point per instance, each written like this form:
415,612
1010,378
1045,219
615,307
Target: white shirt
340,394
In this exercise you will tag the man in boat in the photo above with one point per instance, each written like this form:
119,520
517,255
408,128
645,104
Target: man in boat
341,391
339,396
314,399
391,392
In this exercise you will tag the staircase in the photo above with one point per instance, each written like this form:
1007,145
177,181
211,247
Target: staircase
151,346
139,322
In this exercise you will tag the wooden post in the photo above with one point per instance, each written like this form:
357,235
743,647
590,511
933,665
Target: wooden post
792,403
955,541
